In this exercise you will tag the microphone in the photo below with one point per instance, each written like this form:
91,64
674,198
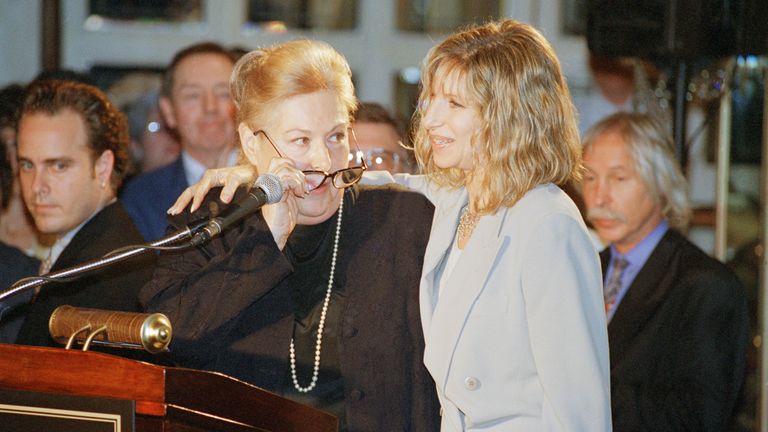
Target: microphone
268,189
151,332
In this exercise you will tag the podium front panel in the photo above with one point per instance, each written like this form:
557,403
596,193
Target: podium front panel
35,411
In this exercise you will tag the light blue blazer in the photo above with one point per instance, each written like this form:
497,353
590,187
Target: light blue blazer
516,340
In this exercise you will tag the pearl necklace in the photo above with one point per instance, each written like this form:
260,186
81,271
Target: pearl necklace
321,326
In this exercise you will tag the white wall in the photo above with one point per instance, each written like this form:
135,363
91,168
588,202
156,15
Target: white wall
375,49
19,40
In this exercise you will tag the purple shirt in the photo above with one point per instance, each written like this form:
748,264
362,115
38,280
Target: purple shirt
636,259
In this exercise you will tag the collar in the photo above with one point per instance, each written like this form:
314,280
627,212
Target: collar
640,253
63,241
194,170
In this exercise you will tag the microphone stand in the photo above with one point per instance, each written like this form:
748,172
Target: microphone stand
267,190
75,272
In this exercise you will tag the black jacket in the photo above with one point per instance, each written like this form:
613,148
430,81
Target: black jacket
677,342
14,265
111,288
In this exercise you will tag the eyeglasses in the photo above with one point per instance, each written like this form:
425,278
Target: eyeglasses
340,179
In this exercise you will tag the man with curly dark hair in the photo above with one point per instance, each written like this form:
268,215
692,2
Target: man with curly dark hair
72,155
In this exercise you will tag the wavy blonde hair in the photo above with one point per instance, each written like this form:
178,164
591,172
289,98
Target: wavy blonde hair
654,159
529,134
266,77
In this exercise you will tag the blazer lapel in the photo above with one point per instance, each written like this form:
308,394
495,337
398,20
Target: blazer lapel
456,298
446,220
643,297
441,235
82,241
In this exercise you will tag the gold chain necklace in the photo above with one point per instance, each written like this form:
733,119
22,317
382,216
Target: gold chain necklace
467,223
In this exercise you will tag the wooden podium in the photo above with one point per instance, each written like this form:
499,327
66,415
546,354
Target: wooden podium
153,398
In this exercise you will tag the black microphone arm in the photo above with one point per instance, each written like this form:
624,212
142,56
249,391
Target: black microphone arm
105,261
267,190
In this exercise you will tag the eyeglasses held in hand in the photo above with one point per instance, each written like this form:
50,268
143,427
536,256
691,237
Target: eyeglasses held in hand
340,179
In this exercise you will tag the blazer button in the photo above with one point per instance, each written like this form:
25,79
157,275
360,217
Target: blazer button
356,394
471,383
349,331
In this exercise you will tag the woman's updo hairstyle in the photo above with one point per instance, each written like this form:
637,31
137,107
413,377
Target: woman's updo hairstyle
265,77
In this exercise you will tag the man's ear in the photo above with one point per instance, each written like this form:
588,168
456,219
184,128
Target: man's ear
104,166
169,114
249,143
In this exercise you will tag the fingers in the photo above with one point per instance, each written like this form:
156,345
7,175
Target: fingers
229,189
201,188
281,218
241,175
291,177
233,177
229,177
196,192
294,182
181,202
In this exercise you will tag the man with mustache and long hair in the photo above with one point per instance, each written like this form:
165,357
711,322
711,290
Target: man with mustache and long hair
677,319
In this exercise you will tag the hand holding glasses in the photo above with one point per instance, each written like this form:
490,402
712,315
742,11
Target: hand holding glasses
340,179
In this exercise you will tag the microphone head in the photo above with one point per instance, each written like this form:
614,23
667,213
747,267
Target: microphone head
272,187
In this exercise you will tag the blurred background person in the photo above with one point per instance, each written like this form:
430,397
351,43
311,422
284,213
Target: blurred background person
17,228
382,139
14,264
196,104
152,145
613,91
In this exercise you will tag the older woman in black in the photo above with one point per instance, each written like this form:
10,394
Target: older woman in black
315,297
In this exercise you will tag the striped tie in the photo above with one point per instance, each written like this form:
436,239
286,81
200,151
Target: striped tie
45,265
611,289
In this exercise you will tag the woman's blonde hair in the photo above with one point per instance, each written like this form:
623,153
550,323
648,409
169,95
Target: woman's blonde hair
529,134
266,77
654,160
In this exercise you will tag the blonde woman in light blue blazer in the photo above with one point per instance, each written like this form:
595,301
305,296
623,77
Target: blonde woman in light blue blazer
510,293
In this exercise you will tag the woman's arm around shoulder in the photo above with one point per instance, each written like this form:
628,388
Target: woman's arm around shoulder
416,182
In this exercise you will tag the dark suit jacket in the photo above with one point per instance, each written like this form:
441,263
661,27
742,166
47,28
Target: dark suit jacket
112,288
232,313
677,342
14,265
147,198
